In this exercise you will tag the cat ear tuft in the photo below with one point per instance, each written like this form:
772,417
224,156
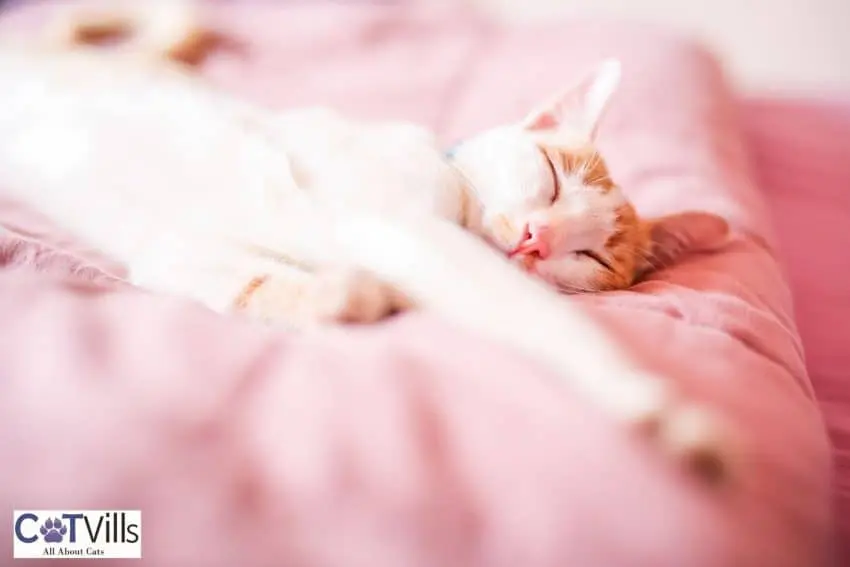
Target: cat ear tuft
676,235
580,108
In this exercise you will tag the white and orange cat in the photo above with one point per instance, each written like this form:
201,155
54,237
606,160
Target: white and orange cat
308,216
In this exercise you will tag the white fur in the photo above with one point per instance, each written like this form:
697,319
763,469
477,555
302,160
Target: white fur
179,181
196,191
580,108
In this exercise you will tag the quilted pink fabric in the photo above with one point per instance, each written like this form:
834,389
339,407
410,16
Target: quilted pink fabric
411,443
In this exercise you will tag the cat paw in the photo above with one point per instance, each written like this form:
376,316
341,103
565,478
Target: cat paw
689,434
353,296
345,296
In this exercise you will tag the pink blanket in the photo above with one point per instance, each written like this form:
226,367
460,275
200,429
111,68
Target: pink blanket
411,443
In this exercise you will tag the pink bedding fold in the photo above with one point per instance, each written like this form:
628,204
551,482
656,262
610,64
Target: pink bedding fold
411,443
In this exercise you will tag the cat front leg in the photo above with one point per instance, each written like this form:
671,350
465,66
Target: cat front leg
230,279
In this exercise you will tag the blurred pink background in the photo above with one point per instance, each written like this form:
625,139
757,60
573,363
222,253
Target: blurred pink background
797,45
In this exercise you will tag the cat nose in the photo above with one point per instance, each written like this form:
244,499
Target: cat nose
535,240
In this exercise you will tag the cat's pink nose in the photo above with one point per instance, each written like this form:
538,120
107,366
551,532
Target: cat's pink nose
535,240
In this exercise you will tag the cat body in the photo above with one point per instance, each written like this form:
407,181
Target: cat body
200,194
309,216
183,203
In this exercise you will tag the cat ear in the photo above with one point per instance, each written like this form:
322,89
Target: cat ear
674,236
580,108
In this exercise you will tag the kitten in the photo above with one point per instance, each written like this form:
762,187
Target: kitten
308,216
538,190
552,204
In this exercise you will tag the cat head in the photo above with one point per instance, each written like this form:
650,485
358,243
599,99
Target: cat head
548,201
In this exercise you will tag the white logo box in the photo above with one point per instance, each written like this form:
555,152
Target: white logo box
77,534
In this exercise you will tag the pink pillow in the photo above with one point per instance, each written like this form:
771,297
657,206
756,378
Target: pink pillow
411,443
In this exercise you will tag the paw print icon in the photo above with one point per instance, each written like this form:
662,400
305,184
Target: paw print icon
53,530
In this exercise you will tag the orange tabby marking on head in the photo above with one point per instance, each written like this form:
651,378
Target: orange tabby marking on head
587,163
625,248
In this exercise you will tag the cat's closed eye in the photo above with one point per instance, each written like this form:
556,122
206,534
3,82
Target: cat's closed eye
594,257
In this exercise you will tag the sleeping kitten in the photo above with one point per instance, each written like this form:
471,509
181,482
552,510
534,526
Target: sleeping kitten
538,189
309,216
552,205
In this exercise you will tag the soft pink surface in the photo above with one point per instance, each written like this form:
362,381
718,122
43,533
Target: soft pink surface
411,443
802,152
